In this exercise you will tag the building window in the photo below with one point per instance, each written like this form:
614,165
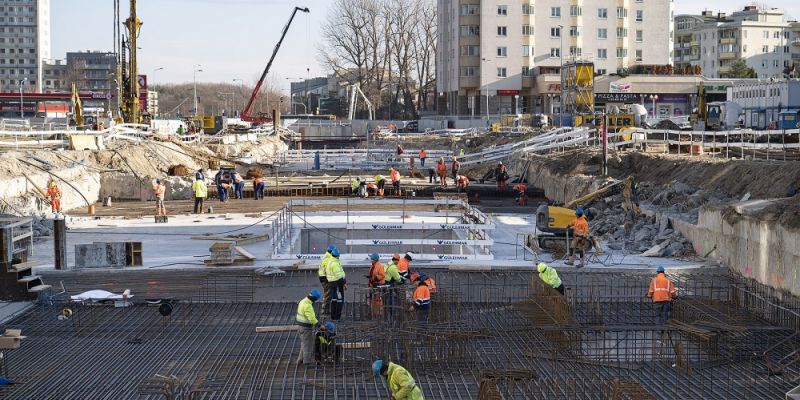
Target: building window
602,53
744,48
526,71
502,10
470,30
785,49
527,9
555,11
602,33
555,32
622,52
622,32
574,32
775,49
602,13
639,15
766,35
776,64
575,11
526,51
501,73
639,55
527,30
639,35
555,52
469,71
470,9
502,51
470,51
574,51
622,12
776,35
601,71
765,49
502,31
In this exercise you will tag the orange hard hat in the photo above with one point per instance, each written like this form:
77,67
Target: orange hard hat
414,277
395,256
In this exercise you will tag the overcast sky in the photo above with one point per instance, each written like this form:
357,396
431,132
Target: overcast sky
234,38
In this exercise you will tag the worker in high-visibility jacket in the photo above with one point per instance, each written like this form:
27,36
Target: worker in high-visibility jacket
307,321
399,380
403,268
662,291
322,272
337,283
421,300
380,180
377,282
550,277
580,232
325,344
392,275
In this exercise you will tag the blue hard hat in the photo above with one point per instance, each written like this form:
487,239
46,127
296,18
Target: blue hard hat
335,252
331,248
660,269
315,294
330,326
376,367
374,257
579,212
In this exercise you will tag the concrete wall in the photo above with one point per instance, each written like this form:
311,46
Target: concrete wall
315,241
19,196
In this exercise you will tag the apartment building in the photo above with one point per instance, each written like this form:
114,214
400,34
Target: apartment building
760,36
24,43
512,50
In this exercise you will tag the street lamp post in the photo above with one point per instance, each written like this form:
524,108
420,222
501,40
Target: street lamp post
194,79
241,82
653,97
561,74
21,109
487,94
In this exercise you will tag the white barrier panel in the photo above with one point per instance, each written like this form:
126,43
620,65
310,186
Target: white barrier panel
401,226
364,257
434,242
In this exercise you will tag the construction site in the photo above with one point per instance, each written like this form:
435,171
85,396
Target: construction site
143,264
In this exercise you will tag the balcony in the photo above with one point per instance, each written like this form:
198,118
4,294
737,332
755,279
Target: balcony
724,70
727,55
796,42
728,40
469,81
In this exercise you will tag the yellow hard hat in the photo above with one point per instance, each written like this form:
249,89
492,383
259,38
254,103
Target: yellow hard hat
541,267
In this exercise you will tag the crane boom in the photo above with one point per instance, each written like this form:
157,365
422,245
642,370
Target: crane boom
246,113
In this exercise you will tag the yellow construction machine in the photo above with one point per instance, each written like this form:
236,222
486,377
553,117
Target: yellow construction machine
552,221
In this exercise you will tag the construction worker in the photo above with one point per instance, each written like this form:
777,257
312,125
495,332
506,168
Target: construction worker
200,192
501,176
455,166
402,267
521,198
355,186
441,170
322,272
200,174
54,195
662,291
421,300
325,343
431,174
337,283
219,181
258,188
372,189
400,382
307,321
238,185
461,153
580,232
394,175
550,277
399,151
422,156
392,276
158,192
377,281
416,277
462,182
380,180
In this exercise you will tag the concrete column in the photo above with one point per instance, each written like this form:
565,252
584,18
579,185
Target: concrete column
60,242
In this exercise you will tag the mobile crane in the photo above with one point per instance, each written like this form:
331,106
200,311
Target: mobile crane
260,119
129,69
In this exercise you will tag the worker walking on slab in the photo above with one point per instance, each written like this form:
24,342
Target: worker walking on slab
54,196
380,180
580,231
550,277
337,283
394,175
307,321
399,380
662,291
322,271
441,170
422,156
158,192
200,192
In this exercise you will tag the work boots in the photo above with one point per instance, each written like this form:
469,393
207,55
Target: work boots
570,260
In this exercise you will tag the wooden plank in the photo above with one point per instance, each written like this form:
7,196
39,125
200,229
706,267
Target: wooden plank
277,328
245,253
38,288
28,278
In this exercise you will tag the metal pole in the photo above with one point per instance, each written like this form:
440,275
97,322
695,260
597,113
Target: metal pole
60,242
605,145
561,80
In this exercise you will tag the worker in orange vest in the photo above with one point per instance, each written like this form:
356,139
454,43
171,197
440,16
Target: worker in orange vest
462,183
415,277
377,279
394,175
54,194
662,291
441,170
422,156
580,232
522,198
402,267
421,300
